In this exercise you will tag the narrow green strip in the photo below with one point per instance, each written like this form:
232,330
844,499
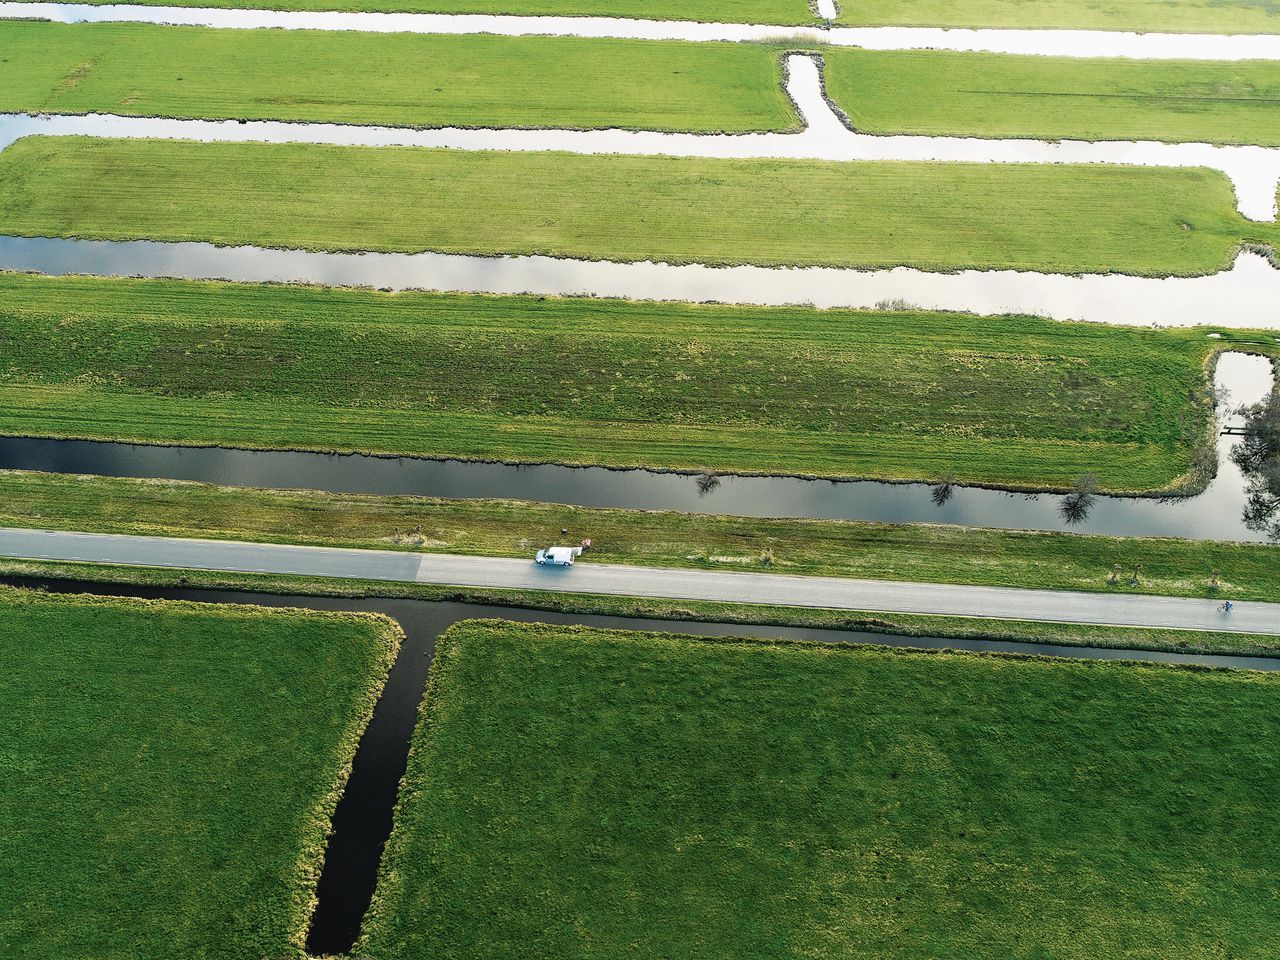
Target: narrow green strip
936,216
887,395
390,79
939,93
1142,16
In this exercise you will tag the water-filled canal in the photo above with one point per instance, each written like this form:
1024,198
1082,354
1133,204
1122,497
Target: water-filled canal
1215,514
362,822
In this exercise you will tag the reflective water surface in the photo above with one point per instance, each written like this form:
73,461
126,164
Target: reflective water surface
1063,43
1215,514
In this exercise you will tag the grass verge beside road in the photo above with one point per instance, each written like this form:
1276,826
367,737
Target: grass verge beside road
657,796
170,772
918,552
941,93
934,216
1013,401
406,80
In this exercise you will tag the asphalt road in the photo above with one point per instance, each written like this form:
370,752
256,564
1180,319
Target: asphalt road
681,584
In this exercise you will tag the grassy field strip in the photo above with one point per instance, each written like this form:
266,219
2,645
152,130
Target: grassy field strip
1144,43
403,80
941,93
1254,172
648,796
945,216
528,379
171,771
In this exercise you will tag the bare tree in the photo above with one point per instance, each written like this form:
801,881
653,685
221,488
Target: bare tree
1076,504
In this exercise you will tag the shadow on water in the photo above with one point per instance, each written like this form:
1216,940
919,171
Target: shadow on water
1218,513
363,819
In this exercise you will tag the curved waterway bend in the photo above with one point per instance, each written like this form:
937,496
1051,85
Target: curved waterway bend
1246,296
363,820
1059,43
1215,514
1254,171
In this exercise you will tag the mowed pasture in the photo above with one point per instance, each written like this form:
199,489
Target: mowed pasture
935,216
930,553
1017,401
1141,16
940,93
408,80
170,770
649,796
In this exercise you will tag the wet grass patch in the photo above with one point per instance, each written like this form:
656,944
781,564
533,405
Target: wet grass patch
170,770
642,795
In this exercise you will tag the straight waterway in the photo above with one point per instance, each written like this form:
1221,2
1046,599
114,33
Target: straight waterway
1215,514
1254,171
363,819
1246,297
1059,43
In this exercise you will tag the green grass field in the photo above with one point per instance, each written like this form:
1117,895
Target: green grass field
636,795
391,79
896,395
938,93
936,216
708,11
1143,16
170,770
921,552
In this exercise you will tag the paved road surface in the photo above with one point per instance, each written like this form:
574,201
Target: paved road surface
586,577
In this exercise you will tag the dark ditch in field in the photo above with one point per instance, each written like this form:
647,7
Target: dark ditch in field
1217,513
363,820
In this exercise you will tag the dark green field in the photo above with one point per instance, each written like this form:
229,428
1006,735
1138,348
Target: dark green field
1016,401
169,772
581,793
934,216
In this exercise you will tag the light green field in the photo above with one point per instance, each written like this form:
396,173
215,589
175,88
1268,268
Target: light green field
889,395
391,79
926,553
936,216
1142,16
170,770
708,11
938,93
628,795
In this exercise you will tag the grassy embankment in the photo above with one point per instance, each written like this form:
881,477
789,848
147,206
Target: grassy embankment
922,552
640,795
891,395
737,614
940,93
1142,16
783,12
170,771
391,79
936,216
